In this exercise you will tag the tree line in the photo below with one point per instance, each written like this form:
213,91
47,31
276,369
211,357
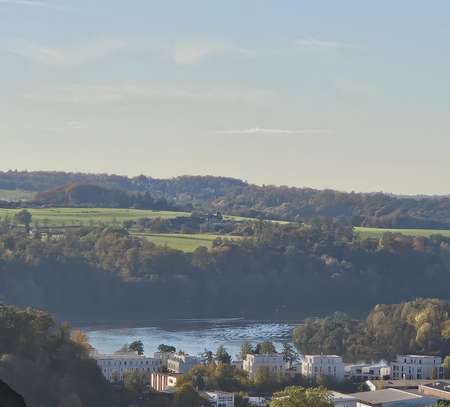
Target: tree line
233,196
282,271
420,326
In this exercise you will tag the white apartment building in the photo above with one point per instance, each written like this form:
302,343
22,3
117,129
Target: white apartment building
220,399
417,367
115,366
363,372
181,363
316,366
163,381
274,363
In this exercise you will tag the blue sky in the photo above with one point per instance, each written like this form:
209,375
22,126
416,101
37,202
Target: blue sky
351,95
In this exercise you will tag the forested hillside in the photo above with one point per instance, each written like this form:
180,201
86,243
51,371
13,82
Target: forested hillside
40,362
91,195
417,327
282,271
232,196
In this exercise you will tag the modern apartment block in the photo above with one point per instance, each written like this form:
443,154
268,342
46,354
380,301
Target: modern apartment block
316,366
181,363
274,363
417,367
115,366
363,372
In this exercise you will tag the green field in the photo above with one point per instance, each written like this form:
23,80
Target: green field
15,195
66,217
184,242
59,217
378,232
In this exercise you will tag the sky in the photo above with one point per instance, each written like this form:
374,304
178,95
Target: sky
348,94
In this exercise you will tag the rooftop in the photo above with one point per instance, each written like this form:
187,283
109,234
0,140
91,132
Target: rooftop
384,396
405,384
341,397
129,355
440,385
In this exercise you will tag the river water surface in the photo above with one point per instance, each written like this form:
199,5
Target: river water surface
192,336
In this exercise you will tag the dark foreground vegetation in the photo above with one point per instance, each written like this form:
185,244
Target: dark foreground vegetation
282,271
236,197
40,362
417,327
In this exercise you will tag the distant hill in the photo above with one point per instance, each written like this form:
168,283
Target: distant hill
79,194
237,197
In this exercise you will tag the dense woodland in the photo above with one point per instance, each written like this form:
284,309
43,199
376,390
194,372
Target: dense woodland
417,327
79,194
282,271
40,361
233,196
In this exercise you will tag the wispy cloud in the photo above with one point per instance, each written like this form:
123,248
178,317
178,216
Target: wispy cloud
71,125
69,55
195,51
183,52
147,93
259,130
356,88
32,3
311,43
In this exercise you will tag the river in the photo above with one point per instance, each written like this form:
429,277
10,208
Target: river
191,335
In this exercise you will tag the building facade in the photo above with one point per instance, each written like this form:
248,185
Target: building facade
417,367
115,366
163,381
275,364
363,372
181,363
316,366
343,400
220,399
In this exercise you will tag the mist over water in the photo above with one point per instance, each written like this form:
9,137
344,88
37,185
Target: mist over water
192,336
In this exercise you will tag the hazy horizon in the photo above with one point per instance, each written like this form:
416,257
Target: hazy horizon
226,176
345,95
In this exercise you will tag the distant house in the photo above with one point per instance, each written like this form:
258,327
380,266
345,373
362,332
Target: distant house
163,382
274,363
363,372
116,365
219,398
181,363
417,367
315,366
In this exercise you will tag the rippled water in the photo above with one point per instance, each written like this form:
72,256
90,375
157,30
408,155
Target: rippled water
192,336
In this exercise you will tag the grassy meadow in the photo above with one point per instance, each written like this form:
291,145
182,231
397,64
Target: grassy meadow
15,195
365,233
67,217
184,242
60,217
